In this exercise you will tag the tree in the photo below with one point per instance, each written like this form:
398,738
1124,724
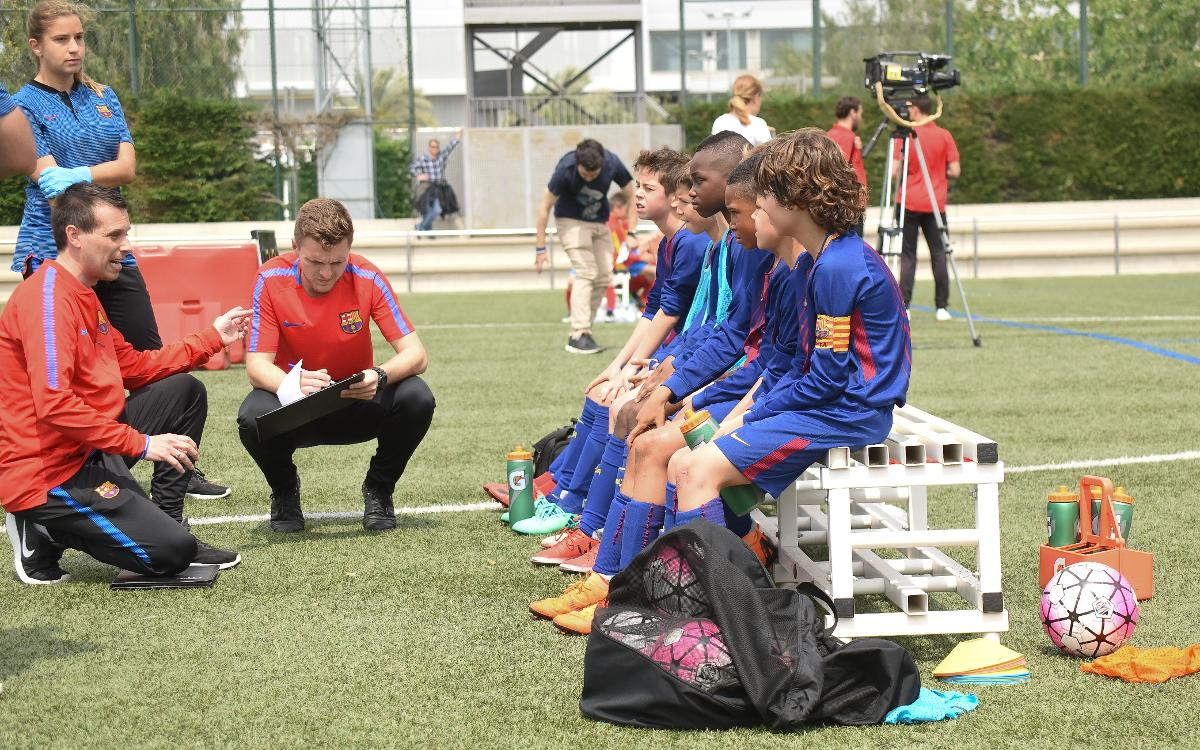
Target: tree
389,99
865,28
196,52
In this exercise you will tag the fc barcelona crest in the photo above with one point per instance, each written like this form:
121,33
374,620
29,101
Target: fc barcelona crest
351,321
102,323
108,490
824,327
104,110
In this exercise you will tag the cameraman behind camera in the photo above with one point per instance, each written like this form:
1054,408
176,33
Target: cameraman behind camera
941,158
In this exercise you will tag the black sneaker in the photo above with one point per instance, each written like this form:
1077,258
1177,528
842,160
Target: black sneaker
285,511
583,344
378,513
207,555
35,556
199,488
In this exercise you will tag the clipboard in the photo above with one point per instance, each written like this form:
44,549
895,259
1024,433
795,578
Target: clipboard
195,576
313,406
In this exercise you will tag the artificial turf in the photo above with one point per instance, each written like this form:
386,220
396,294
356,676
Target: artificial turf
421,638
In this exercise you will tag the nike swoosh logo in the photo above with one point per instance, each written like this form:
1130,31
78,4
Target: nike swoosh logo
25,551
735,437
287,324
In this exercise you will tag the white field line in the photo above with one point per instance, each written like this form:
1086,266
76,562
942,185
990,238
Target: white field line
1038,319
455,326
475,507
411,511
1098,462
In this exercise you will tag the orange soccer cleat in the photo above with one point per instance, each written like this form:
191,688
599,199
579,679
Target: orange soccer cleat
578,623
572,545
580,594
761,545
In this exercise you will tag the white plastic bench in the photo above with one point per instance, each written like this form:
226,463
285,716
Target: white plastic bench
876,499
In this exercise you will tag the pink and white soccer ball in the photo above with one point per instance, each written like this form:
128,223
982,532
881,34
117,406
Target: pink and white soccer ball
1089,609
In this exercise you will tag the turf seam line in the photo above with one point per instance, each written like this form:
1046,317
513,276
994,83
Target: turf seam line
1082,334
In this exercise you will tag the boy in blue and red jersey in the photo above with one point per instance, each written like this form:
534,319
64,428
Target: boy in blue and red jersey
680,254
854,351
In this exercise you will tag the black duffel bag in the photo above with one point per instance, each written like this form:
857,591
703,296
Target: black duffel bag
697,636
548,448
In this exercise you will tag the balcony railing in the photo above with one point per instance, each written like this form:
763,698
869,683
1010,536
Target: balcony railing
526,3
577,109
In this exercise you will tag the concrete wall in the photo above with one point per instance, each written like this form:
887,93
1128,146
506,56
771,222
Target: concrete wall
508,168
990,241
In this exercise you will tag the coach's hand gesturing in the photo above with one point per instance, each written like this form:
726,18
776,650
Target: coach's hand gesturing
232,325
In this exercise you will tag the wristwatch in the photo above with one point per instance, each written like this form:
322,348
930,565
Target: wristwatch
382,378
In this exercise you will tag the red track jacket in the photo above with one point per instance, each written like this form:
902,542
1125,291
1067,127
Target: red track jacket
63,375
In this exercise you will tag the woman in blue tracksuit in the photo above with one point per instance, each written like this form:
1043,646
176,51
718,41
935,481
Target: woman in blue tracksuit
81,136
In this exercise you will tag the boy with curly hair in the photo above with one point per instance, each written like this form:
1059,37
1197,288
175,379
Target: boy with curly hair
853,354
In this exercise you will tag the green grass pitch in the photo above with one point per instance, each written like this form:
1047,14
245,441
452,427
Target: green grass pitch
421,638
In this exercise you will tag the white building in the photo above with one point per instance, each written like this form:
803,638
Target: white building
724,38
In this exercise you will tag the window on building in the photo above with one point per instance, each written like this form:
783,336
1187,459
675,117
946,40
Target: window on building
775,43
726,40
664,51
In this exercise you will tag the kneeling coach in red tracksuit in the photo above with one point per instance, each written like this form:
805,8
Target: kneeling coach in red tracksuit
68,434
312,310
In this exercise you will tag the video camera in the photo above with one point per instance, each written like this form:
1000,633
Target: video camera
927,72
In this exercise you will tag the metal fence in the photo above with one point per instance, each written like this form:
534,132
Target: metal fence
572,109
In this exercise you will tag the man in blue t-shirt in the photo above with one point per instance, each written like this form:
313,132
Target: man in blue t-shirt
578,191
18,154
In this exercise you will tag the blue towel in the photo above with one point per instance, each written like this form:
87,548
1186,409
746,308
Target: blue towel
932,705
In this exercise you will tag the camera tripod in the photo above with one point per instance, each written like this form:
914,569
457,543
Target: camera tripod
891,211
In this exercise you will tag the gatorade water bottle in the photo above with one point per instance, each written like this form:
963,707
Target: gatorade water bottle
699,427
1122,505
520,485
1062,517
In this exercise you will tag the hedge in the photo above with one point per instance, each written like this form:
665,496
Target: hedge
197,162
1050,145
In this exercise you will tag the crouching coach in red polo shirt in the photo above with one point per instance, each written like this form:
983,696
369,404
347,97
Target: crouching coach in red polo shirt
312,308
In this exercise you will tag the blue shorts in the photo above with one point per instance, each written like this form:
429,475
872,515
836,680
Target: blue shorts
721,409
773,451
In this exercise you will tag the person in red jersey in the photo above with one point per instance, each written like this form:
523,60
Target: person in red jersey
312,310
849,114
68,433
941,159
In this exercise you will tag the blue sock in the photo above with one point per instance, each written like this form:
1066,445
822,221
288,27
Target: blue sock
642,523
713,511
604,486
739,525
608,557
576,491
567,459
669,518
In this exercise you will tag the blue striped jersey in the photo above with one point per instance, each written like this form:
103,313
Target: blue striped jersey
79,129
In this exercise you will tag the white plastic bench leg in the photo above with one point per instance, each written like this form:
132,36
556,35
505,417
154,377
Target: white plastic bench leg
987,521
918,512
841,574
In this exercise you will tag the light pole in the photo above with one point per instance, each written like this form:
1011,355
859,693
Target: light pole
728,15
